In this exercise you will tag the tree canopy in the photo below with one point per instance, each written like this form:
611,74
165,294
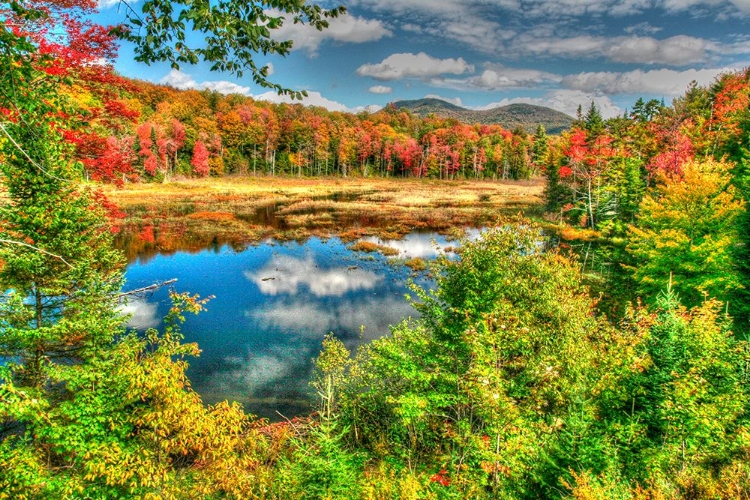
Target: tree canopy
228,34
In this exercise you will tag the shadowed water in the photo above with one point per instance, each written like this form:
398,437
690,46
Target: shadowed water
273,305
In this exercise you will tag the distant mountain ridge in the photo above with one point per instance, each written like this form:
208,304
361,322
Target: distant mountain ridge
526,116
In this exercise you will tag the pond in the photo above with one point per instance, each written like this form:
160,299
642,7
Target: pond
273,304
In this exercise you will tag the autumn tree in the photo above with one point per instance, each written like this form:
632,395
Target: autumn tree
516,164
587,158
684,235
200,159
556,192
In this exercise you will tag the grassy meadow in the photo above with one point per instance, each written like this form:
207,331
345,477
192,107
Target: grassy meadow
192,214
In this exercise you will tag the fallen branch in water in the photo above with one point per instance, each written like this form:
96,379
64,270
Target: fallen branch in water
147,289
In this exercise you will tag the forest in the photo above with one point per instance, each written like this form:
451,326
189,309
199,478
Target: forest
142,132
530,373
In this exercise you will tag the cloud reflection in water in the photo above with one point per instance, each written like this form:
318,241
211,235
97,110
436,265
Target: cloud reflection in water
273,305
344,318
143,314
284,274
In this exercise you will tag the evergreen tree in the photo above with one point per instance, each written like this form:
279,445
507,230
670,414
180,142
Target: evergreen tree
578,122
556,193
740,297
59,272
593,123
540,148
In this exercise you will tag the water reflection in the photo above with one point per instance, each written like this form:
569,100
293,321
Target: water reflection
426,245
143,314
284,274
273,304
414,245
354,320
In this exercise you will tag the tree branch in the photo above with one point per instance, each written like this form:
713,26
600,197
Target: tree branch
21,243
41,169
147,289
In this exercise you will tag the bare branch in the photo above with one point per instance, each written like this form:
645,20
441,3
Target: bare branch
41,169
146,289
21,243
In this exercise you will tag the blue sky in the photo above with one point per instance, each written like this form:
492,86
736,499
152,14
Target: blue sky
487,53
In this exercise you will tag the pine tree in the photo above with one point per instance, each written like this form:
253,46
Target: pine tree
594,124
555,192
58,271
540,148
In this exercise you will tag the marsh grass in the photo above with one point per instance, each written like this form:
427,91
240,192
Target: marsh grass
370,247
416,264
195,213
212,216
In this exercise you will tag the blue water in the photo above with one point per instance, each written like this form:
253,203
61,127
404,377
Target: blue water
272,306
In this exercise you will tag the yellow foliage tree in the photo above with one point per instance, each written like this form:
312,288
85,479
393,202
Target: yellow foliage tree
685,232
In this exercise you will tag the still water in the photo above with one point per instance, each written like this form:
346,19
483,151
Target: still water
273,303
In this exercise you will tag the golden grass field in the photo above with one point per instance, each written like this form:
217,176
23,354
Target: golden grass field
191,214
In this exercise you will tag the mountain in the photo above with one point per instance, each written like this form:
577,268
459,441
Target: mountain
526,116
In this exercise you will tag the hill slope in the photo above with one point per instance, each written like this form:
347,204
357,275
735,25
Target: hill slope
526,116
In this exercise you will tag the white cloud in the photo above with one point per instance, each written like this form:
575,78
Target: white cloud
741,46
703,5
312,99
346,29
225,87
370,108
664,82
567,8
179,80
183,81
743,5
584,45
407,65
478,33
250,374
315,319
642,29
380,89
498,77
545,8
674,51
456,100
414,28
414,244
318,100
439,7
